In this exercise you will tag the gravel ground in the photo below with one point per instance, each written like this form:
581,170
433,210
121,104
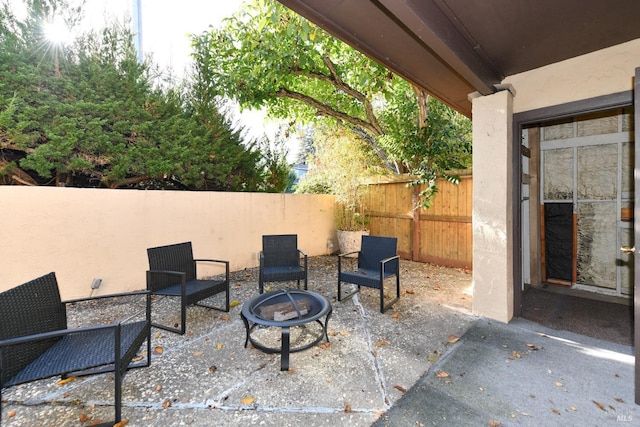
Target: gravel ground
208,377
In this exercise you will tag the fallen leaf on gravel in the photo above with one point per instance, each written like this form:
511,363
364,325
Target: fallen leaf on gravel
83,418
234,303
442,374
410,291
559,384
247,400
380,343
325,345
573,408
198,353
345,333
347,407
433,357
224,318
66,380
219,346
619,400
494,423
600,405
12,414
166,403
213,369
396,315
158,388
534,347
453,339
400,388
121,423
516,354
157,350
555,411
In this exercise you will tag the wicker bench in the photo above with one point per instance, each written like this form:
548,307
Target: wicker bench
36,343
172,273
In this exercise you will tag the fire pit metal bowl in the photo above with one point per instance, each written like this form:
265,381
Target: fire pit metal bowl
285,309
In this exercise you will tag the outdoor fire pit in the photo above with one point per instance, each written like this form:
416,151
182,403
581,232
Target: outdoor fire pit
285,309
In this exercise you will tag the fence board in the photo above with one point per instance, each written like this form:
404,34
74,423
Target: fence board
443,232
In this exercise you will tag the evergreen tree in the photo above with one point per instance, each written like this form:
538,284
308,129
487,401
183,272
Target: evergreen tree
89,114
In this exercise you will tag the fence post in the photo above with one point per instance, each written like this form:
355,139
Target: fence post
415,226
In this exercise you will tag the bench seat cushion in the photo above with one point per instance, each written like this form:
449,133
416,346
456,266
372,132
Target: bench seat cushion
281,273
196,289
363,277
81,351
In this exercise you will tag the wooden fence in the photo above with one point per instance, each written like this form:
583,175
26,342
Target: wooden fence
441,234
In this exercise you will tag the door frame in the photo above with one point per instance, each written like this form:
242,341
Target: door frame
576,108
538,117
636,234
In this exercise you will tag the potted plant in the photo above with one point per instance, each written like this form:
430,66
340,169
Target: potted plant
351,221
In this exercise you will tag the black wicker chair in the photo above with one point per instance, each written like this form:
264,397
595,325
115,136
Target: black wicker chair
281,260
35,342
377,260
172,273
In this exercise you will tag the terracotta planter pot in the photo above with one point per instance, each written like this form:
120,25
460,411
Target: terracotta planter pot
349,241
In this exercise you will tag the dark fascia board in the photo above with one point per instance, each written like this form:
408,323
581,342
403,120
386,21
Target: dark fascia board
400,51
429,21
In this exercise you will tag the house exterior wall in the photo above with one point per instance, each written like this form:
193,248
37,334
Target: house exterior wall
596,74
82,234
492,212
599,73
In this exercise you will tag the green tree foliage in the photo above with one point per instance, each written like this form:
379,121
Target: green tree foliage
269,57
341,164
89,114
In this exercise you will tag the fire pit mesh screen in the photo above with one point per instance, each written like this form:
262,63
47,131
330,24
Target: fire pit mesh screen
290,306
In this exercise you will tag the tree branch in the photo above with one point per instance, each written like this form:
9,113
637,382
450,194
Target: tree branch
327,110
335,80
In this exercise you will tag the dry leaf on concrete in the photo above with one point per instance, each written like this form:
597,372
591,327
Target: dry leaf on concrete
247,400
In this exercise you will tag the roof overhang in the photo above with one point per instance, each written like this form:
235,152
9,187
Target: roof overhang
452,48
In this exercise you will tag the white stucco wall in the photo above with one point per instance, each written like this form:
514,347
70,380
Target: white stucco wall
492,216
599,73
81,234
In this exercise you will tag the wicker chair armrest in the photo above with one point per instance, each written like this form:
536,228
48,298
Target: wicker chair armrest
53,334
211,260
221,261
97,297
348,253
386,260
168,272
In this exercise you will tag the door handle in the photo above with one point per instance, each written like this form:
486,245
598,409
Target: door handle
628,250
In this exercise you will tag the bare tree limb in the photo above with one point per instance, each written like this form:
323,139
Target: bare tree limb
327,110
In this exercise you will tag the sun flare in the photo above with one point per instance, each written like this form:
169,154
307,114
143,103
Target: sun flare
57,32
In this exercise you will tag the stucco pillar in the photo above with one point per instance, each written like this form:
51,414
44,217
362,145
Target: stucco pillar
492,211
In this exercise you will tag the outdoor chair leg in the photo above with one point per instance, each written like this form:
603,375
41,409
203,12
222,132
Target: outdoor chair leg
384,307
349,295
